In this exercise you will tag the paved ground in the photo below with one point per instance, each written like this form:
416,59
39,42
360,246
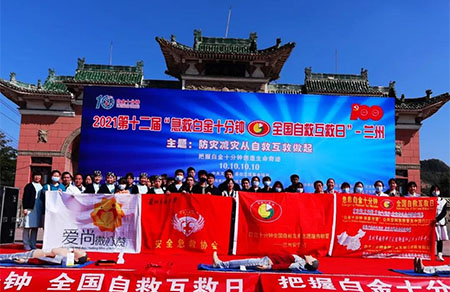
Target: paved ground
41,235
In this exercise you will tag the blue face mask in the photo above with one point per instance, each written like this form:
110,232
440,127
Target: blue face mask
379,189
359,190
55,178
346,190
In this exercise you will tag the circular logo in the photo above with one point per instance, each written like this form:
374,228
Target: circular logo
258,128
387,204
265,211
106,101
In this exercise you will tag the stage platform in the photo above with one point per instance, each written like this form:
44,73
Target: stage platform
151,272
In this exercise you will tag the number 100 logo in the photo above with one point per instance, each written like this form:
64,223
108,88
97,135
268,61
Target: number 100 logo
365,112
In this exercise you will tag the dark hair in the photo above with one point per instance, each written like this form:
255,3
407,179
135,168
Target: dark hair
266,178
331,179
278,183
179,170
190,168
36,173
130,174
201,172
299,185
345,185
229,180
245,179
78,174
294,176
378,181
228,171
317,182
210,175
66,172
82,260
411,184
356,183
255,178
392,179
433,187
313,266
190,176
55,171
122,181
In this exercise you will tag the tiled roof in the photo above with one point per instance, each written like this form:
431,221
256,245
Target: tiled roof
420,103
107,74
323,83
285,88
50,87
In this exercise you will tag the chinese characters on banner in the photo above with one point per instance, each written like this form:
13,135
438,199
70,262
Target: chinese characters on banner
254,134
368,226
106,223
284,221
179,223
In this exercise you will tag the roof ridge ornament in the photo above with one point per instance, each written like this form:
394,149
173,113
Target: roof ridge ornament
81,62
428,93
12,77
364,74
140,65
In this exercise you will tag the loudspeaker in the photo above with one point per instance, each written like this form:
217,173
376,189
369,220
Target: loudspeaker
9,198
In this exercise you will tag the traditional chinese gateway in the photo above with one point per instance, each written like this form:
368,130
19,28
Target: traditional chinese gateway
51,112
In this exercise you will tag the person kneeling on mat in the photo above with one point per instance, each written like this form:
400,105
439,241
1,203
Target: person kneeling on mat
278,261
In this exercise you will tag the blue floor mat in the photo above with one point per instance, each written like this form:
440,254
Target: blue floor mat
45,266
414,274
211,268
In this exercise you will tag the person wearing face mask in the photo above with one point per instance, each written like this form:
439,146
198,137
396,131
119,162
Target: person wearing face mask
121,188
53,185
358,188
94,187
441,228
110,186
255,185
330,187
176,186
67,183
200,187
345,188
277,187
294,180
31,225
318,187
266,185
141,187
379,186
299,188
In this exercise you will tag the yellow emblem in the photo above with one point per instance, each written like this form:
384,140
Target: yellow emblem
107,214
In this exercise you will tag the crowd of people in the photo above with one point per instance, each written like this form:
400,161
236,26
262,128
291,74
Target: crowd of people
190,182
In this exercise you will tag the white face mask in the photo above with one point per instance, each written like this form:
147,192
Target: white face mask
179,178
122,187
300,190
267,183
278,190
436,193
359,190
346,190
255,183
379,189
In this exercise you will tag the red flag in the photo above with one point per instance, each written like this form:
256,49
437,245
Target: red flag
297,223
178,223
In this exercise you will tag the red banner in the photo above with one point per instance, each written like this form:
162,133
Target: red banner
289,282
297,223
123,281
369,226
178,223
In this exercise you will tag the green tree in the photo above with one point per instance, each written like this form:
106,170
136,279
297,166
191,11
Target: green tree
8,159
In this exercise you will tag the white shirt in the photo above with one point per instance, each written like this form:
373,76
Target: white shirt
142,189
96,187
37,187
71,189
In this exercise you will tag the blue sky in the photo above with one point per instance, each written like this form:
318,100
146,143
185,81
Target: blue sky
405,41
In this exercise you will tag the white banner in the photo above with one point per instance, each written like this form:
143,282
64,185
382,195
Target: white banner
106,223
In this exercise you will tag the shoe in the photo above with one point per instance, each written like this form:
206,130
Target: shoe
439,257
216,260
420,265
416,260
